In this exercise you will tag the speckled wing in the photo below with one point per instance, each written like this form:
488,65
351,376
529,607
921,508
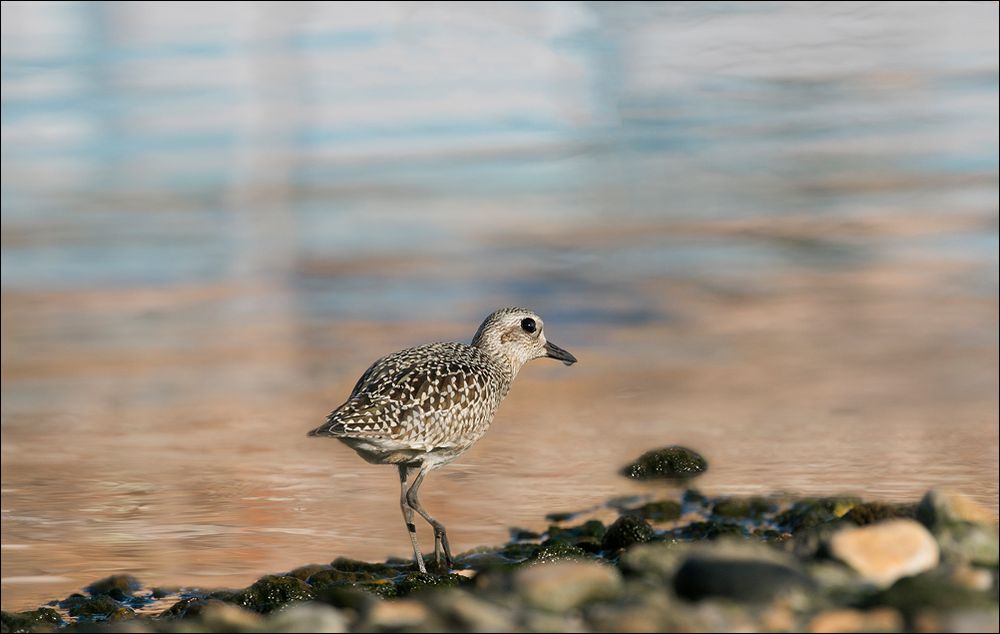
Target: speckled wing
421,398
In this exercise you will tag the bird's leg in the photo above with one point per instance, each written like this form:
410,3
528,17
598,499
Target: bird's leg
411,528
440,535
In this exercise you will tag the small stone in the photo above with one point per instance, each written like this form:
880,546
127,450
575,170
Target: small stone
162,592
965,531
118,587
669,463
659,559
929,591
565,585
940,507
626,531
218,616
397,614
307,617
882,553
469,613
847,620
747,580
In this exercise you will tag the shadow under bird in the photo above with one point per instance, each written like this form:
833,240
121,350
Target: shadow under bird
422,407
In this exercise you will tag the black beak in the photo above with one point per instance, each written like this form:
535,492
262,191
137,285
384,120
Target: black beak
553,351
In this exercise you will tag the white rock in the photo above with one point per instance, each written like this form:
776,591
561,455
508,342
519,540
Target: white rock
887,551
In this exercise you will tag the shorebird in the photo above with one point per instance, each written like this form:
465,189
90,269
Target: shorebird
420,408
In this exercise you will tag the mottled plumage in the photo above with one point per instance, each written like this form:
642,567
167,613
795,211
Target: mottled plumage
423,407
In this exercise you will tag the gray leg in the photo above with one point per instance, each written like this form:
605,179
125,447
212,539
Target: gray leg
440,535
411,528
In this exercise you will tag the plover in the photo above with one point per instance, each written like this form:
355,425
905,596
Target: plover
422,407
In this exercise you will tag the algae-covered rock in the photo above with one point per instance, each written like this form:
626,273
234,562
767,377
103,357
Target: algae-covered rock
345,564
669,463
555,551
813,512
119,587
40,620
91,608
884,552
421,581
626,531
592,530
272,592
748,580
743,508
871,512
565,585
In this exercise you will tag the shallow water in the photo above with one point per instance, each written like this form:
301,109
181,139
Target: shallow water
769,232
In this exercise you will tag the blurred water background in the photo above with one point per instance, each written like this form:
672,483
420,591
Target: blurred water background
768,231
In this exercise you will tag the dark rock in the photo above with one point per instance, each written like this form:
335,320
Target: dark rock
272,592
160,592
42,619
523,535
662,511
694,497
813,512
743,508
92,608
669,463
871,512
966,531
710,530
188,608
119,587
747,580
423,581
560,516
351,598
555,551
626,531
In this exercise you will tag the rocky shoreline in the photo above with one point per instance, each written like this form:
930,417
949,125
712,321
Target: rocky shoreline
684,562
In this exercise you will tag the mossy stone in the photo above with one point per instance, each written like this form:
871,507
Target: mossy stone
354,565
813,512
98,607
871,512
40,620
520,551
273,592
304,572
329,578
626,531
424,581
556,550
669,463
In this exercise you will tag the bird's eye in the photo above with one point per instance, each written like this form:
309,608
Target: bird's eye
528,324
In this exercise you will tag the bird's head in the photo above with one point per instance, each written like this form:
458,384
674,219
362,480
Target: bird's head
517,335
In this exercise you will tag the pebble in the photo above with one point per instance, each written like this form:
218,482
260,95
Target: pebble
565,585
885,552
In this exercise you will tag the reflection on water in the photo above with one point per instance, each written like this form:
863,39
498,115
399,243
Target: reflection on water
768,231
